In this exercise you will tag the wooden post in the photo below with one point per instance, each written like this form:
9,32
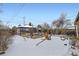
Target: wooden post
76,30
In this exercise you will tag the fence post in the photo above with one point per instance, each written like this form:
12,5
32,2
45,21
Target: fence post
76,30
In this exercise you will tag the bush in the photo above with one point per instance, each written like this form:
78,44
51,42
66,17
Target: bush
4,38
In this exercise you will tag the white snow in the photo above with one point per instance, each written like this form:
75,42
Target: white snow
27,47
26,26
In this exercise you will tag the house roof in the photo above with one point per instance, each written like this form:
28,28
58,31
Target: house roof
26,26
71,27
77,18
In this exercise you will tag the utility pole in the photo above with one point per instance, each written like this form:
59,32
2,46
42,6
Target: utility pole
7,23
24,20
1,11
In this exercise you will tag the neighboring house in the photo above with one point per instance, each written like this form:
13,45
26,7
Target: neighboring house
72,30
25,29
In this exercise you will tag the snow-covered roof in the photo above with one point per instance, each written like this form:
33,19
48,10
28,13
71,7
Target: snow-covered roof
25,26
70,27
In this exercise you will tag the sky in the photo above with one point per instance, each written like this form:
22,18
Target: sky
37,13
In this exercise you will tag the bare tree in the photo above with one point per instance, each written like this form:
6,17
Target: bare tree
39,29
1,24
45,26
30,24
61,23
14,30
31,29
56,26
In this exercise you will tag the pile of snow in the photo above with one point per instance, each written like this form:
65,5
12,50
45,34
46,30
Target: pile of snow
27,47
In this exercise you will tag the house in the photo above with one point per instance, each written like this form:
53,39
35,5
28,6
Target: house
74,30
77,24
23,30
77,20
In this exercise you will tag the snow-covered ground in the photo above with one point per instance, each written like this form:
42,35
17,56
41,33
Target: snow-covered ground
27,47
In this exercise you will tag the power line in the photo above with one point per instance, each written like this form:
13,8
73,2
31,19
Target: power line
15,14
24,21
20,10
1,5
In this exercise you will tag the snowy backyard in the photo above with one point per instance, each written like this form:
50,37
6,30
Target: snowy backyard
39,29
27,47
